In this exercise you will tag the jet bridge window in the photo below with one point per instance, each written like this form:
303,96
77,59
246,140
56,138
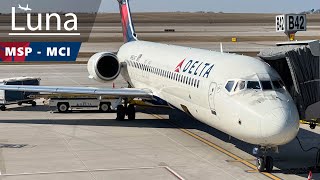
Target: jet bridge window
229,86
266,85
253,85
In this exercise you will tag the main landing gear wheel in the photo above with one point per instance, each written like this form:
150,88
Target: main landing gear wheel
131,112
265,164
121,112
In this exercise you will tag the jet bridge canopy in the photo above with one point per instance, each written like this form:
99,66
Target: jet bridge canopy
298,64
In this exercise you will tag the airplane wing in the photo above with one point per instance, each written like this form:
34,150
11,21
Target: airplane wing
123,92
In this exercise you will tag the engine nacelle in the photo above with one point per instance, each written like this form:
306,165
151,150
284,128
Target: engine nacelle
104,67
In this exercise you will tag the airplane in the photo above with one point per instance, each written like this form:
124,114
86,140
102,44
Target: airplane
239,95
24,8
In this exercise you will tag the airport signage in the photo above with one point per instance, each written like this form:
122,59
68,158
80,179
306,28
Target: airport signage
39,51
46,31
291,23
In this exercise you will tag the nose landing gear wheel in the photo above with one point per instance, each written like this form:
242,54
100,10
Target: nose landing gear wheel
261,164
265,164
269,164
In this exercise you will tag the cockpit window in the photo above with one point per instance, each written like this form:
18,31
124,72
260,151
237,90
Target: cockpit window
240,86
277,84
266,85
229,85
253,85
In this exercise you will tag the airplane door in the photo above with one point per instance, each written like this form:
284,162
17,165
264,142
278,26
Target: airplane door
212,91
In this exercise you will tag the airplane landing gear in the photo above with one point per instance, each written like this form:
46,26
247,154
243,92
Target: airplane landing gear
128,110
121,112
131,112
264,163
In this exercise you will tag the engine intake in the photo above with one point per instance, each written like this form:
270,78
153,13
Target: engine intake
104,67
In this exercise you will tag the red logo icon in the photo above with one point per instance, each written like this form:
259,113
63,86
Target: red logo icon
178,68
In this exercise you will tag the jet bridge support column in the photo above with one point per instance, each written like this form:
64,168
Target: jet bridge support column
298,63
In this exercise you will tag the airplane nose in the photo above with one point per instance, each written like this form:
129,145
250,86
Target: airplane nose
280,126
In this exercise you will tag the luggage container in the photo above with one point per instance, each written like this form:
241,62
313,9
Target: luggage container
18,97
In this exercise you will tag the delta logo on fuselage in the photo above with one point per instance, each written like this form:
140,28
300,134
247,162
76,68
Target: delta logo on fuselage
195,67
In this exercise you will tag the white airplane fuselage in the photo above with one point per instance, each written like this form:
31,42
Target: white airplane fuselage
195,80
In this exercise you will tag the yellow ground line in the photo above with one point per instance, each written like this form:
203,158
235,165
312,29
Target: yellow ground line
235,157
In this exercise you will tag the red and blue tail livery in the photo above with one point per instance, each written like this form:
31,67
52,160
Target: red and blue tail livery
129,33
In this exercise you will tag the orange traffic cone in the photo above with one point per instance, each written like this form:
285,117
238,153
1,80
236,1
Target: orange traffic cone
310,175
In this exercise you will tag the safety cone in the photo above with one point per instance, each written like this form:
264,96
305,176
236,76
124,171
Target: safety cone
310,175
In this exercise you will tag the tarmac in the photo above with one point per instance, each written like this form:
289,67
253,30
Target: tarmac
39,143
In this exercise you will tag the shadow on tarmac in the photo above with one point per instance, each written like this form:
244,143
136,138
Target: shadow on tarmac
290,160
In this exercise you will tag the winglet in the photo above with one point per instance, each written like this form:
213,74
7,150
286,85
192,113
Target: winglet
129,33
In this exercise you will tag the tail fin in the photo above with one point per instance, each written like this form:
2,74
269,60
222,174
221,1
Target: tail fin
129,33
27,5
19,6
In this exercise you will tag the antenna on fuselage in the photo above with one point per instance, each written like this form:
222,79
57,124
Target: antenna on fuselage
221,48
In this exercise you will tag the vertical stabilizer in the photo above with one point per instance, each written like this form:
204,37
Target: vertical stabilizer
129,33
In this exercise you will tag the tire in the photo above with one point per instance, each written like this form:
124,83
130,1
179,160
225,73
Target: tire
121,113
63,107
104,107
269,164
131,112
313,125
33,103
3,108
260,164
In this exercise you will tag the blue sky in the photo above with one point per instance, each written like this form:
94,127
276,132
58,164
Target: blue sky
250,6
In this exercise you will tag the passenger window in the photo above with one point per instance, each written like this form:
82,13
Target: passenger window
266,85
253,85
229,85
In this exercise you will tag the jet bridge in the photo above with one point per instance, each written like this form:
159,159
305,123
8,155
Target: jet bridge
298,63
